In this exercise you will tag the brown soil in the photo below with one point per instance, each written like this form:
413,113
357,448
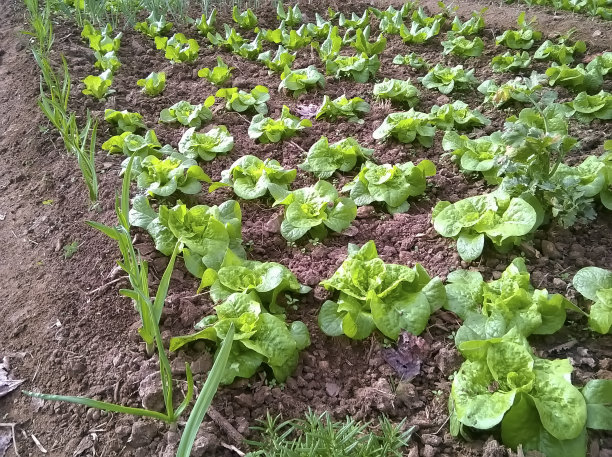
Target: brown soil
65,332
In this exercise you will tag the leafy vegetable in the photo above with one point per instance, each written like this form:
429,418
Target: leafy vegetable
241,101
279,62
391,184
598,396
576,78
178,48
219,74
154,84
458,45
124,120
446,79
406,127
246,19
207,145
315,209
519,89
360,67
101,40
187,114
290,39
503,382
318,29
595,284
98,86
231,41
355,21
251,178
588,107
391,20
269,130
154,26
142,146
412,59
511,62
473,26
323,159
330,48
107,61
505,221
206,25
457,115
477,155
292,17
363,45
523,37
343,107
418,34
375,295
397,90
560,52
300,81
164,177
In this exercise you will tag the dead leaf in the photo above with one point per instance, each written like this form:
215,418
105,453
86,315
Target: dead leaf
7,385
407,357
6,439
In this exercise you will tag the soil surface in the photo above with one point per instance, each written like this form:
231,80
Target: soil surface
66,330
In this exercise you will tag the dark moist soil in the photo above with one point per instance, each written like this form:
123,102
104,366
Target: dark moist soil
66,330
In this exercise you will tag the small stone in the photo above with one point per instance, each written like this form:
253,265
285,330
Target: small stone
274,224
559,283
429,451
429,438
151,393
364,212
596,33
123,431
204,445
442,100
142,433
550,250
202,364
332,389
493,449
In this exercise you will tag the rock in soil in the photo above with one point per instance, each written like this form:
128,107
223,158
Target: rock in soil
151,393
143,433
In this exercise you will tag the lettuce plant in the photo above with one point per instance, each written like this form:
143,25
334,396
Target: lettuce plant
142,146
293,39
520,90
164,177
246,19
292,16
412,59
154,26
268,130
505,221
390,184
360,67
98,86
323,159
300,81
282,59
420,17
314,210
479,155
207,145
154,84
601,64
533,399
187,114
178,48
391,20
250,50
446,79
318,29
397,90
491,309
473,26
241,101
511,62
231,41
205,233
363,44
218,75
355,21
124,121
330,48
206,25
260,338
576,78
406,127
101,40
560,53
374,295
458,45
523,37
251,178
418,34
595,284
588,107
343,107
107,61
457,115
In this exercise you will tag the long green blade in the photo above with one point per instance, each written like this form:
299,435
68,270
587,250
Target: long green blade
205,398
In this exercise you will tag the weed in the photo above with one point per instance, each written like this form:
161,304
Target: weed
71,249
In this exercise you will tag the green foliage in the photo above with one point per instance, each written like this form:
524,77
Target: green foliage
323,159
511,62
521,90
502,382
490,310
505,221
251,178
206,25
363,45
206,146
218,75
460,46
268,130
576,78
246,19
598,396
314,210
418,34
355,20
300,81
232,40
390,184
375,295
412,59
479,155
560,52
292,17
446,79
343,107
290,39
281,60
241,101
154,84
99,86
473,26
154,26
406,127
178,48
391,20
250,50
457,115
107,61
318,29
595,284
124,121
163,178
397,90
329,49
588,107
523,37
101,40
187,114
359,67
